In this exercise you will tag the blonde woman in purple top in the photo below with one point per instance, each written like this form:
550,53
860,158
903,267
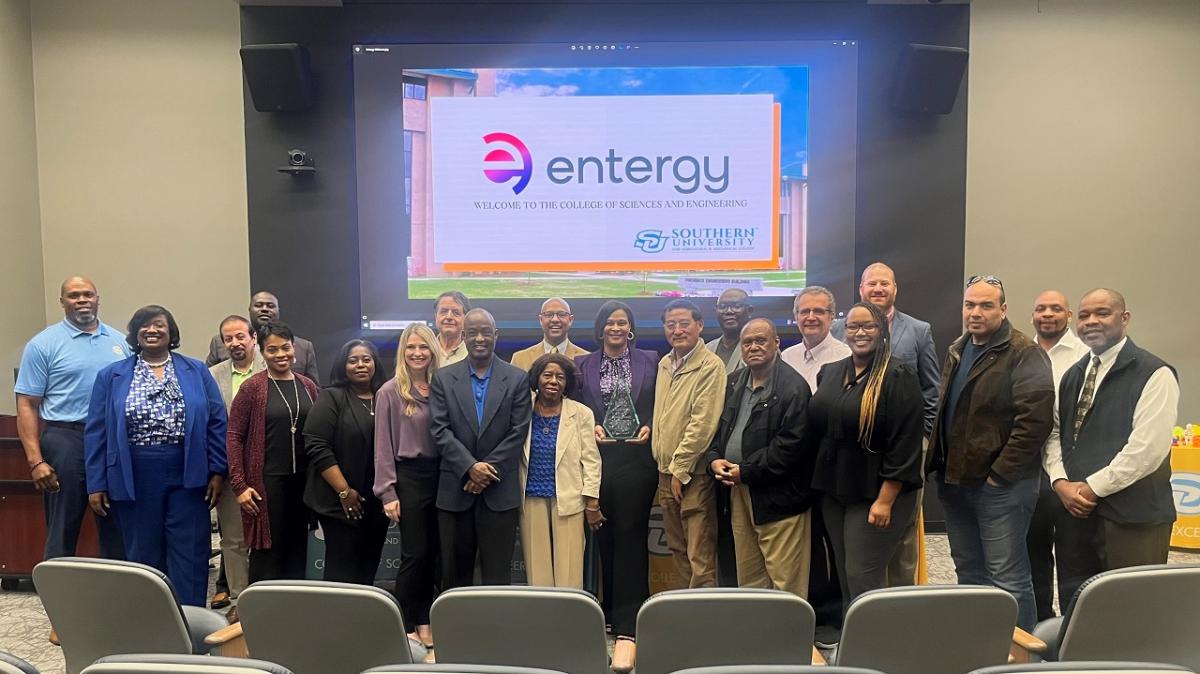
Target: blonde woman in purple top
406,472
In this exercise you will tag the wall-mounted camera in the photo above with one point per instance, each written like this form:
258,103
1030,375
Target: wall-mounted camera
299,163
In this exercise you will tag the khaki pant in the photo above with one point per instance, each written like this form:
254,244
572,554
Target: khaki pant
691,528
775,555
902,570
234,554
551,544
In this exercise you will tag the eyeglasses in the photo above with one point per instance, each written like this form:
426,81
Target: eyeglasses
865,328
682,325
724,307
560,315
812,311
988,279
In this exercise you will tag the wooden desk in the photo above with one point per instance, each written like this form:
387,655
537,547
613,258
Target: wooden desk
23,519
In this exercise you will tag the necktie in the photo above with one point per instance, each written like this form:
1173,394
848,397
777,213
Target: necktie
1085,397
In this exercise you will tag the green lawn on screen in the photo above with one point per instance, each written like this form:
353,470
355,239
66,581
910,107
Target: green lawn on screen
548,285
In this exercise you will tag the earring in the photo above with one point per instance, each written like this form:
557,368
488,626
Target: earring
631,336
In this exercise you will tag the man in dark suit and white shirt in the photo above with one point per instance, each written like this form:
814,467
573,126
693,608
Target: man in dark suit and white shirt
479,416
264,308
912,344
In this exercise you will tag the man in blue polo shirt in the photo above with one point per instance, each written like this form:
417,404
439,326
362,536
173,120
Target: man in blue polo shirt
58,369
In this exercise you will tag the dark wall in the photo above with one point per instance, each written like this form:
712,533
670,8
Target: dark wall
303,231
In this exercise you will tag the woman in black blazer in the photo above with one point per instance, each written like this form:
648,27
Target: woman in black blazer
629,475
339,437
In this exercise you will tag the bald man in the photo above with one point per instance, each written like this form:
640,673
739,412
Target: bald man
556,320
1052,325
1109,456
479,411
54,384
734,310
762,455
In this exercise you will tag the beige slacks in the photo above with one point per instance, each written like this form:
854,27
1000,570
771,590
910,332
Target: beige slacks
551,544
691,528
776,555
234,554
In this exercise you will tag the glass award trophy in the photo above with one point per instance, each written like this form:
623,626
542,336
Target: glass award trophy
621,419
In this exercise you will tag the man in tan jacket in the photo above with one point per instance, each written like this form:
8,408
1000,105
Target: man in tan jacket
556,320
688,396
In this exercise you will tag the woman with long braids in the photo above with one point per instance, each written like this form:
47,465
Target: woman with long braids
267,461
866,413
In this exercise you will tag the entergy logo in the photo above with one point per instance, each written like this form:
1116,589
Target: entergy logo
1186,489
650,241
498,163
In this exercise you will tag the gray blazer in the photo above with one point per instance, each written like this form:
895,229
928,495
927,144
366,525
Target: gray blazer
912,344
306,357
223,373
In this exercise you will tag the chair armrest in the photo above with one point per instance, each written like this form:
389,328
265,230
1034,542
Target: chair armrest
1023,645
817,658
229,641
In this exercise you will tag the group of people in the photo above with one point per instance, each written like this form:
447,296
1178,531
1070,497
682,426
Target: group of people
1057,441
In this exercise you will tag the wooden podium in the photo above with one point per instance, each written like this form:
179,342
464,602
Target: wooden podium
23,519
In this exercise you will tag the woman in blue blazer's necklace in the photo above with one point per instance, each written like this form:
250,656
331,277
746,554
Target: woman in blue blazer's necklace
154,448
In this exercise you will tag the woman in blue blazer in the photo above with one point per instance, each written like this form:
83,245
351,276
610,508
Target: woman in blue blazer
154,452
629,475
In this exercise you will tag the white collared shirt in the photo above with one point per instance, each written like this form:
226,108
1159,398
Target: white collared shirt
1068,351
808,361
1149,443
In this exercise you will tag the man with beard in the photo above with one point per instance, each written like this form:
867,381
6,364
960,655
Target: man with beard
1109,461
58,370
733,313
237,336
264,308
479,411
1051,321
556,319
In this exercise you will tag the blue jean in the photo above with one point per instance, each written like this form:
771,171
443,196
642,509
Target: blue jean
166,526
987,527
65,509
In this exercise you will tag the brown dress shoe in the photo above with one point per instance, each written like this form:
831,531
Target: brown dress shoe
624,655
220,600
54,637
232,616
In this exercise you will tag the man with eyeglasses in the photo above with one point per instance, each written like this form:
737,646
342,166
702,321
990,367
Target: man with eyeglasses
994,415
556,319
813,310
733,313
689,392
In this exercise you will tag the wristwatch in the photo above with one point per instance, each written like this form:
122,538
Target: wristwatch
344,494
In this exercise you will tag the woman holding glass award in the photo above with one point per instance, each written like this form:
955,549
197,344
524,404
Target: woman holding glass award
617,384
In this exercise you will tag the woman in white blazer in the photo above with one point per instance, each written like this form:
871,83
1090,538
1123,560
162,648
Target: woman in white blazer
560,476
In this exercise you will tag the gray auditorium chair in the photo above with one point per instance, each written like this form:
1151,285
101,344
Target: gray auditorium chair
1142,613
104,607
777,669
966,627
318,627
457,669
710,627
11,664
544,627
1085,668
182,664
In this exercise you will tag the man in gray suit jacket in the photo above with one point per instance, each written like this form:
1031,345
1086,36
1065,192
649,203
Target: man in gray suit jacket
479,411
238,340
264,308
912,344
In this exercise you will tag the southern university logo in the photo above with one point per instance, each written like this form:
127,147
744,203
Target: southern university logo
650,241
1186,488
498,163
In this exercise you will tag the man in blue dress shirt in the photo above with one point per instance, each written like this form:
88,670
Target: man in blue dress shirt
58,368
